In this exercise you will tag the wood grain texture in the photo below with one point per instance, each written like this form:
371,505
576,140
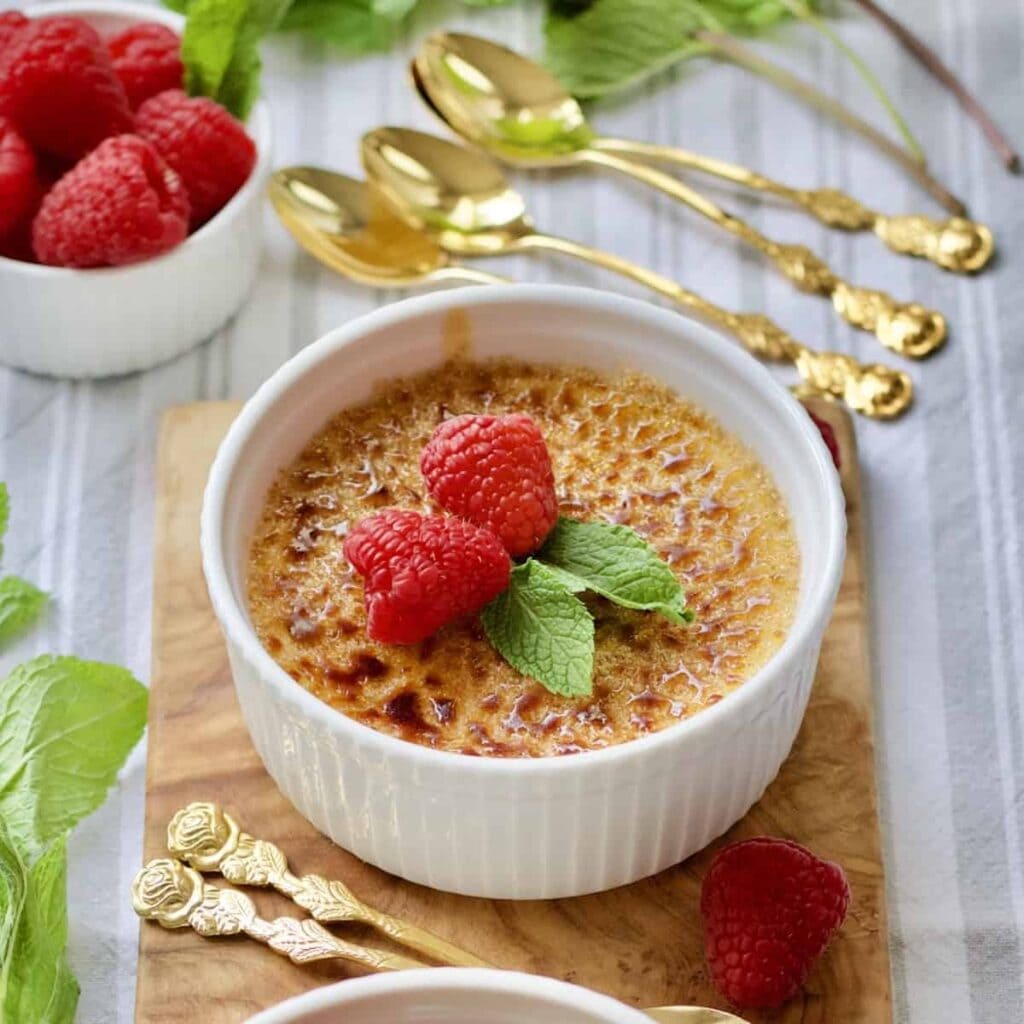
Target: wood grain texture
641,942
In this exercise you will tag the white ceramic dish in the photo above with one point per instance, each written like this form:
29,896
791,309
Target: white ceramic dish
448,995
96,323
545,827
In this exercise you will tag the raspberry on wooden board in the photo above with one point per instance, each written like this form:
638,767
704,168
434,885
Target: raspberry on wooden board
118,205
57,84
770,908
496,472
421,572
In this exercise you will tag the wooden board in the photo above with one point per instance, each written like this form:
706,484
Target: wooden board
641,942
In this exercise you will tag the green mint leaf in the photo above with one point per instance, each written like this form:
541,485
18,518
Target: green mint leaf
543,630
38,983
353,26
393,10
66,727
613,44
618,564
180,6
21,603
13,880
220,49
5,515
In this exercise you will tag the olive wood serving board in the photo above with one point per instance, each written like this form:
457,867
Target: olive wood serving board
641,943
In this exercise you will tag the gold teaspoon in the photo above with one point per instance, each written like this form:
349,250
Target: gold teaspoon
462,198
522,114
907,328
175,896
691,1015
346,225
209,839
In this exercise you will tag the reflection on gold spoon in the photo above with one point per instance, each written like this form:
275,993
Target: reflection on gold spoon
520,113
462,199
349,227
561,130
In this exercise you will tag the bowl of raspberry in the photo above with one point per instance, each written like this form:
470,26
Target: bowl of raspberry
534,621
130,213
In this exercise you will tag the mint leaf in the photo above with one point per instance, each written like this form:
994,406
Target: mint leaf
543,630
66,727
39,985
12,899
613,44
351,25
618,564
21,603
220,49
5,515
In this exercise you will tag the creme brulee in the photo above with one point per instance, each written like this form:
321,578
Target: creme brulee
626,450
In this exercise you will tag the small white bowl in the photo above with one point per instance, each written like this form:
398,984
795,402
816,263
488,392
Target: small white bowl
451,995
523,828
96,323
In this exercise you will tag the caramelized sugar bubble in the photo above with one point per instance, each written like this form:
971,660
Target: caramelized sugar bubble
625,450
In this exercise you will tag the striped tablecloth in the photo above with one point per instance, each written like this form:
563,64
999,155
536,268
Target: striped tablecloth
945,487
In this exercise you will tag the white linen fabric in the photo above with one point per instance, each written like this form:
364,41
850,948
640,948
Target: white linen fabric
945,486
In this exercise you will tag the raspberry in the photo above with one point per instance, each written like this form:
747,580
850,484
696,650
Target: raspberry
770,908
828,435
494,471
147,59
118,205
58,85
421,572
10,22
20,188
203,143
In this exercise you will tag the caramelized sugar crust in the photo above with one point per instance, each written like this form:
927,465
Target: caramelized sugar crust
626,450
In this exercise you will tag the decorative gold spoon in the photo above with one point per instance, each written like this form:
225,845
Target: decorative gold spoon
347,225
463,200
175,896
209,839
520,113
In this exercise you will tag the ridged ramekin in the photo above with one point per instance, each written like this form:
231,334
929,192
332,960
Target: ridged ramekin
545,827
452,995
114,320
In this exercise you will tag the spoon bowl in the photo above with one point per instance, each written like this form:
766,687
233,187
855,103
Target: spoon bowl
500,100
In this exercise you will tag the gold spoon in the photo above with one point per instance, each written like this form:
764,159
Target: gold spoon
175,896
347,225
519,112
209,839
691,1015
462,199
453,86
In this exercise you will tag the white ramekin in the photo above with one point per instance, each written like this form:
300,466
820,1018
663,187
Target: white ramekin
96,323
452,995
545,827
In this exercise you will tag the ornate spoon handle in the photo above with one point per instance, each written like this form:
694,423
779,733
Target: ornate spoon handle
175,896
907,328
874,390
209,839
954,243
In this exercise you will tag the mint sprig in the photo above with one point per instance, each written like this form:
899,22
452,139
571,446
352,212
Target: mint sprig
542,629
617,563
21,602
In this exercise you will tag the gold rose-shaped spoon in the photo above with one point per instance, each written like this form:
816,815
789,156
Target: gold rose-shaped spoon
175,896
209,839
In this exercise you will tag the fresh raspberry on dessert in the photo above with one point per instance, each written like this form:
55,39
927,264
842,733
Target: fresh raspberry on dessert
203,143
57,84
496,472
770,908
421,572
828,435
147,59
10,22
118,205
20,188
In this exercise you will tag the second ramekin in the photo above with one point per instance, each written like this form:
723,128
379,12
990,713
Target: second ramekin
545,827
